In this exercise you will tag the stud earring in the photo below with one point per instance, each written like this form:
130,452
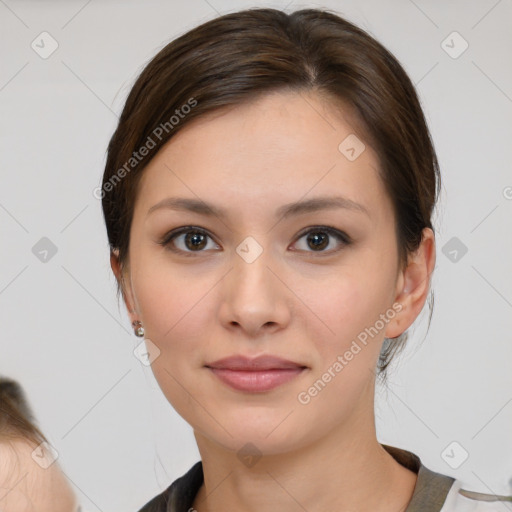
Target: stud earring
138,329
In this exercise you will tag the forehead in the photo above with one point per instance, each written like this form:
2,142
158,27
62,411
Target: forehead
277,148
271,125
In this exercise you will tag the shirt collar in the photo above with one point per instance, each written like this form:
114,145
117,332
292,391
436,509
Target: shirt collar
431,488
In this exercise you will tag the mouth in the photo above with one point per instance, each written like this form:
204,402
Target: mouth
255,375
256,380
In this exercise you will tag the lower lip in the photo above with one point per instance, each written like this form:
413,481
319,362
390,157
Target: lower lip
256,381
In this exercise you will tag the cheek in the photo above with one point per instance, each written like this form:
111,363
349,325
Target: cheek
345,305
172,304
175,310
349,306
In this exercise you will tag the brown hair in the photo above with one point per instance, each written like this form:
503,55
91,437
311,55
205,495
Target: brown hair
239,56
16,418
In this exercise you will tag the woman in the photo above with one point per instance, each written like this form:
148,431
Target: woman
30,477
268,196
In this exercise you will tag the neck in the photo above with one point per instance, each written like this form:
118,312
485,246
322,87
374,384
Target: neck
345,470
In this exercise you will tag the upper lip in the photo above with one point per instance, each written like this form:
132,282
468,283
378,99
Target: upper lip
264,362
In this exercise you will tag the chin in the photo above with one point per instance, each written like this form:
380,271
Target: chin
261,437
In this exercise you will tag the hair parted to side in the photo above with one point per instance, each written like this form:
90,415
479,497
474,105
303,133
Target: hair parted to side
236,58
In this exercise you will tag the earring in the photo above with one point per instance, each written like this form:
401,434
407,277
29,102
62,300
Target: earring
138,329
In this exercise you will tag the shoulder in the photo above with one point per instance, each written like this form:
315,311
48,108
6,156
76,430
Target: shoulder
460,499
180,495
437,492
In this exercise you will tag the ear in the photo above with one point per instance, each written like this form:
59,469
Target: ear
125,284
413,285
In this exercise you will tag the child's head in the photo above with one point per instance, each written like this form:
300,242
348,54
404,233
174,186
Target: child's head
29,479
236,120
16,418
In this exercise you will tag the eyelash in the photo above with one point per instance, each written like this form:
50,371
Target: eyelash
331,231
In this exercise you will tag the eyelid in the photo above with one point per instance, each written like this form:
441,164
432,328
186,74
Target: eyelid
331,230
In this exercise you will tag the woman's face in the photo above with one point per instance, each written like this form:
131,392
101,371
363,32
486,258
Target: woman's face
257,282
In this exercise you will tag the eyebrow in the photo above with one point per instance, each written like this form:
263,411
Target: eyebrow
311,205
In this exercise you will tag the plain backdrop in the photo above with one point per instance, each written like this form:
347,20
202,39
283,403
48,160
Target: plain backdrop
70,346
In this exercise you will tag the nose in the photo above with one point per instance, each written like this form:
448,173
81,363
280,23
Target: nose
255,298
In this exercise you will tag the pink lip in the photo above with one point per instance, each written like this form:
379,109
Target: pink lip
259,374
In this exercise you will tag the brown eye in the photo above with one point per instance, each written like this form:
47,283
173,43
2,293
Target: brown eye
195,240
318,238
187,240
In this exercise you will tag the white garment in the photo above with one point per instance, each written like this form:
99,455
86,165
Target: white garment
456,502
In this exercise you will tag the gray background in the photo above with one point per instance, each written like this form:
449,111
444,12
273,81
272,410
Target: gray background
65,339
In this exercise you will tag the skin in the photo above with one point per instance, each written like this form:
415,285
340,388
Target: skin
25,486
294,301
